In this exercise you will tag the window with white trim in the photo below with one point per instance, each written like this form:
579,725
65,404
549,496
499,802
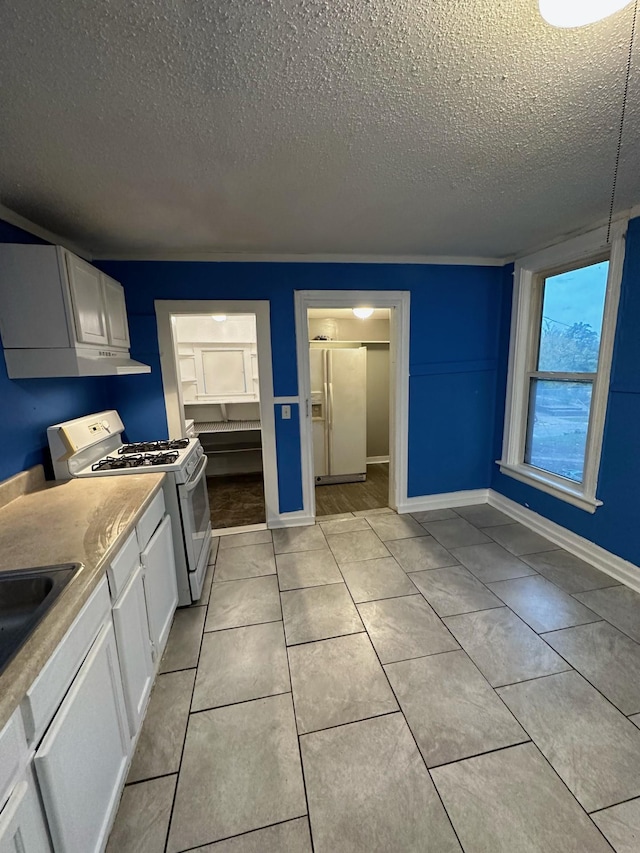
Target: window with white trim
562,332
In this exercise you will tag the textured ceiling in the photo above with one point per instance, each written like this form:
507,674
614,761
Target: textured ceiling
390,127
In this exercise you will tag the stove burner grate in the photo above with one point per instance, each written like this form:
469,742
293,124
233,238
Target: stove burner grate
112,463
154,446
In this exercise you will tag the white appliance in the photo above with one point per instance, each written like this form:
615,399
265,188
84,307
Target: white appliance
92,446
339,414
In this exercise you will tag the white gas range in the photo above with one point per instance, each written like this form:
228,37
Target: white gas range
92,446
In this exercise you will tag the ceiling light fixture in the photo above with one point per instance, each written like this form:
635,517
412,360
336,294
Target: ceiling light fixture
578,13
219,318
362,313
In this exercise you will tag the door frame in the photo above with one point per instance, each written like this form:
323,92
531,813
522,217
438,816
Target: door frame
166,309
399,301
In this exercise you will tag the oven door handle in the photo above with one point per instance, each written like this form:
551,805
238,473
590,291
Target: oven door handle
197,474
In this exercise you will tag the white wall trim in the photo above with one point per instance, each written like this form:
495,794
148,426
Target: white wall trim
30,227
525,324
267,257
279,401
399,301
444,500
375,460
166,309
612,565
292,519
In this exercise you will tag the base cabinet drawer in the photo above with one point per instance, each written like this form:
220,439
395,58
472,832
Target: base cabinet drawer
134,649
81,762
22,824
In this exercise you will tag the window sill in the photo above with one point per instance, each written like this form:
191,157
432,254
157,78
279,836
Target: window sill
550,485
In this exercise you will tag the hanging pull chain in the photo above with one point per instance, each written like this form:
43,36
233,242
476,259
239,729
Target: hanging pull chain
624,109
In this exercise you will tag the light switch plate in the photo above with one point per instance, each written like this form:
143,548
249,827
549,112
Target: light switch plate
286,413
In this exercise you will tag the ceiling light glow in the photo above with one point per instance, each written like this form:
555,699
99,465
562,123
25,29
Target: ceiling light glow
362,313
578,13
219,318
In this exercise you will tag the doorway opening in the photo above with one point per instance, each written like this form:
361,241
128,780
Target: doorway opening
353,376
349,376
218,388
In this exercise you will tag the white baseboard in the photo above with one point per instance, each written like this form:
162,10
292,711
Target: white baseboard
290,519
374,460
444,500
612,565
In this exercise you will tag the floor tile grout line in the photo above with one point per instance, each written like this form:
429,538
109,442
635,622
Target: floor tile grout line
598,589
239,702
247,833
235,627
150,779
322,639
535,677
250,577
481,753
570,627
613,806
350,722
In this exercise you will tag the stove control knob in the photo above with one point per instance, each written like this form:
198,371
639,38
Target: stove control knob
105,425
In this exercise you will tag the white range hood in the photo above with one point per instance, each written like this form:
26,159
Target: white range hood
46,363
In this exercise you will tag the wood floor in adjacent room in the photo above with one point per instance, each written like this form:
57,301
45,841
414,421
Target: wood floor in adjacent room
348,497
236,500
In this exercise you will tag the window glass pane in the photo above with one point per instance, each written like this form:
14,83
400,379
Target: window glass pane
572,310
557,428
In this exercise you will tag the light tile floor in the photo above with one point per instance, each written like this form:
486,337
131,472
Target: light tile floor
440,683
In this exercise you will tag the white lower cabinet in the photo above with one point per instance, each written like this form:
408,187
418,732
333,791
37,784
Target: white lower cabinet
81,762
160,584
134,648
22,825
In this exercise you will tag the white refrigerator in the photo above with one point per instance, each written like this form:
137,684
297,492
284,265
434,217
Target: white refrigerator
339,414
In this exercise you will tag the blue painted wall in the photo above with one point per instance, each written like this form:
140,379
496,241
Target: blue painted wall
615,525
29,406
454,349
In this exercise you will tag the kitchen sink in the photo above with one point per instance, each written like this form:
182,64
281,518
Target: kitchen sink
25,596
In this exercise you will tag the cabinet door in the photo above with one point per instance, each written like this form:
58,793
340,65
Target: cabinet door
116,311
160,584
134,648
82,759
85,286
22,824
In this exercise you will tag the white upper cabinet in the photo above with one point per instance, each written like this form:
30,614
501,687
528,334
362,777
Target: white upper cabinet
88,300
116,312
60,316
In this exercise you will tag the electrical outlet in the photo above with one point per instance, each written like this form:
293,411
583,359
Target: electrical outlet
286,413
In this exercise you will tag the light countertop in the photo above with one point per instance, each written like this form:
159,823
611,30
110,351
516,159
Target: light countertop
79,521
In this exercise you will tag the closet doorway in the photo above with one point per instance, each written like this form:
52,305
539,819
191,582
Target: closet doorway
337,306
213,369
350,394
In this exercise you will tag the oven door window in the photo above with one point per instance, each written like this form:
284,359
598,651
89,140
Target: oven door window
196,516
